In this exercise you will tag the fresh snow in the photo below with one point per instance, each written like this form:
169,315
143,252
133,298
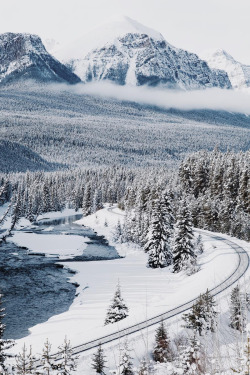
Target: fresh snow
62,246
107,33
238,73
146,292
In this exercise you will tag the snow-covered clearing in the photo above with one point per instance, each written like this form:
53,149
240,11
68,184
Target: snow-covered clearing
147,292
62,246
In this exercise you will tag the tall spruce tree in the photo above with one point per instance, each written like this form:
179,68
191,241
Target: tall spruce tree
203,317
87,200
158,237
98,363
183,247
118,309
237,310
162,351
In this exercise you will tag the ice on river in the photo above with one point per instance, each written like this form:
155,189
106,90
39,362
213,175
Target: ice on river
59,245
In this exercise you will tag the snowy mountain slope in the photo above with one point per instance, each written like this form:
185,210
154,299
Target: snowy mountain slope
127,52
15,157
238,73
23,56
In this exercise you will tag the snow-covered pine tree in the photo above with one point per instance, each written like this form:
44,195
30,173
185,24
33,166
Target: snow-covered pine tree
237,310
191,359
87,200
203,316
168,222
162,351
46,197
183,249
157,245
117,236
125,365
244,360
16,211
4,344
118,309
66,363
97,201
98,363
25,362
198,245
48,366
146,367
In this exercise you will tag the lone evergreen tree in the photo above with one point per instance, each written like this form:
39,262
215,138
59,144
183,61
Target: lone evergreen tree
98,363
183,249
118,309
162,350
202,317
237,310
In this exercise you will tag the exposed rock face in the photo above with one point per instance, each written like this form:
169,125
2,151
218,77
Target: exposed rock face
141,56
239,74
23,56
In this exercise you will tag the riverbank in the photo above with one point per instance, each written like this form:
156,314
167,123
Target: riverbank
147,292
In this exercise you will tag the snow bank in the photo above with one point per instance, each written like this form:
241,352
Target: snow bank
62,246
146,292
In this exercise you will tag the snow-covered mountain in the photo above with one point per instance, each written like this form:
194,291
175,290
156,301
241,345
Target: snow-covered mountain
238,73
126,52
23,56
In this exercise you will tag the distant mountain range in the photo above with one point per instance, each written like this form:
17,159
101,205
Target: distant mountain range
238,73
128,53
23,56
124,52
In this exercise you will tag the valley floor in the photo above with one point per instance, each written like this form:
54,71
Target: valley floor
147,292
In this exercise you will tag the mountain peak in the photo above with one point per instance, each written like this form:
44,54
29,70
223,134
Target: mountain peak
106,33
239,74
23,56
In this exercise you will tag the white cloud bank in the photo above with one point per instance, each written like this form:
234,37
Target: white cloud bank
213,99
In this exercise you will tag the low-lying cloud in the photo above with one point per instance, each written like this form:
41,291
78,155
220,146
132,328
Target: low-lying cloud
213,99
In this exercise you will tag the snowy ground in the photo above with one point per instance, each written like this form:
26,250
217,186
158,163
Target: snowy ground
62,246
147,292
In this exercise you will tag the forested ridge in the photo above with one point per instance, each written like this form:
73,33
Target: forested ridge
213,185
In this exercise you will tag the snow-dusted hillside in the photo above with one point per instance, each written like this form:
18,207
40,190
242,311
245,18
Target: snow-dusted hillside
126,52
23,56
238,73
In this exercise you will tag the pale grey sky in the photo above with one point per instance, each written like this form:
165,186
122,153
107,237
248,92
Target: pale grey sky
195,25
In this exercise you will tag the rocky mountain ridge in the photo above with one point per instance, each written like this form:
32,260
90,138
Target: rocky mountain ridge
238,73
128,53
23,56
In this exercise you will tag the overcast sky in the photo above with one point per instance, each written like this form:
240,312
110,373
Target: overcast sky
195,25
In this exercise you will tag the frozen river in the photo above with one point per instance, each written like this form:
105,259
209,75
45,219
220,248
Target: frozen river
35,286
